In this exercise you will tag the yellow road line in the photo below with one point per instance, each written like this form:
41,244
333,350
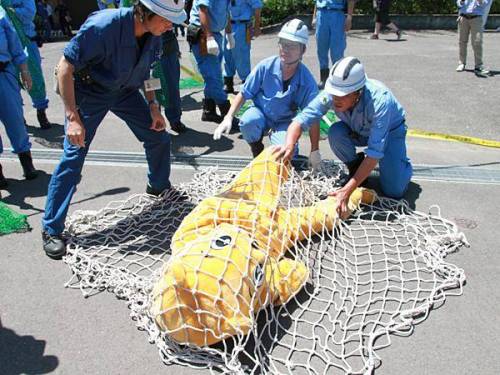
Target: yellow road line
453,138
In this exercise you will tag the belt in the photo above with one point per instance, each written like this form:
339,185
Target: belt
239,21
3,65
333,9
470,16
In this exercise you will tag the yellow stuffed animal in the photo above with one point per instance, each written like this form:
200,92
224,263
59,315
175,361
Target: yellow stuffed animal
228,255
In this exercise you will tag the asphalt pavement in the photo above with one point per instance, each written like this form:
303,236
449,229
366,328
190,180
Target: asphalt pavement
47,328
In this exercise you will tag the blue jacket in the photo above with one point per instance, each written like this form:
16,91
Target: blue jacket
374,116
264,86
107,48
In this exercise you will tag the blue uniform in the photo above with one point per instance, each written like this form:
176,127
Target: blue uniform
238,58
26,11
378,122
473,7
330,33
273,108
11,104
110,67
210,65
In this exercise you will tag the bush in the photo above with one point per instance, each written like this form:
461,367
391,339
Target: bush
275,11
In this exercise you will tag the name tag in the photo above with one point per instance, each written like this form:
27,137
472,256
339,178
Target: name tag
152,84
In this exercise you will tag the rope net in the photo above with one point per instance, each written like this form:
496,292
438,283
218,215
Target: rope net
256,274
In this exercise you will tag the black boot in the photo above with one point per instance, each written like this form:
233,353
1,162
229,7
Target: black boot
178,127
256,147
229,85
323,74
53,245
27,163
353,166
209,111
224,109
42,119
3,181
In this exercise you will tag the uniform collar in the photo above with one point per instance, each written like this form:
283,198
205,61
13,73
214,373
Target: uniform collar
127,28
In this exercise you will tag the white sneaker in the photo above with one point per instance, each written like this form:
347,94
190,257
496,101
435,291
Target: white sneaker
460,68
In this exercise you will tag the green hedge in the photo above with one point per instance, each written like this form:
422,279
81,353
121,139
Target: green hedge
275,11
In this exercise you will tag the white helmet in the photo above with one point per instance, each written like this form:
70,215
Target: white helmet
296,31
172,10
346,76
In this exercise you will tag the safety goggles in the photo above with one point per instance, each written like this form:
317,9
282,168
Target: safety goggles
289,46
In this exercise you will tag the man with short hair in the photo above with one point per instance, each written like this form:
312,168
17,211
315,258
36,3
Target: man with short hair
370,116
101,70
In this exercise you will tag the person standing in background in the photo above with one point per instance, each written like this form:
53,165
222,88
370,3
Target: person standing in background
237,59
208,18
11,103
332,23
24,13
470,22
382,8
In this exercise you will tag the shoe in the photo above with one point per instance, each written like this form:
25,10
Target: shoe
209,112
178,127
29,170
256,147
229,85
481,71
399,34
460,68
171,194
3,181
41,115
53,245
323,74
374,37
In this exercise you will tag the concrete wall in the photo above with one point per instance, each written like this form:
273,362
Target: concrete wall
413,22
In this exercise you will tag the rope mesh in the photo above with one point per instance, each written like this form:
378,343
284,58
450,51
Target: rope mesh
375,274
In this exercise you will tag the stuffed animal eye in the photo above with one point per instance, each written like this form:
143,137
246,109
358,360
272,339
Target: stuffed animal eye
258,276
221,242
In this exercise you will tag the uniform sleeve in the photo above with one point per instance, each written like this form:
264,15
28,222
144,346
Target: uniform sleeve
380,128
86,48
25,11
316,109
205,3
253,82
16,49
256,4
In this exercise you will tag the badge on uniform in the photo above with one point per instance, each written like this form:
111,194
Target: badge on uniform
152,84
325,99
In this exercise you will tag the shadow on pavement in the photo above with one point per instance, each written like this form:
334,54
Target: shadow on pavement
24,354
183,144
52,138
21,191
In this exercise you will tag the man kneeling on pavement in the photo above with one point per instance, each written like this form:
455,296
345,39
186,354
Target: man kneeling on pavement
369,116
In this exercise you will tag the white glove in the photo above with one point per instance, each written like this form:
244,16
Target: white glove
231,42
315,160
212,46
223,128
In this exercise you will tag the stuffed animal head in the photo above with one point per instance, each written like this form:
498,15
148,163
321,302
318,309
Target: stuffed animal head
215,285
